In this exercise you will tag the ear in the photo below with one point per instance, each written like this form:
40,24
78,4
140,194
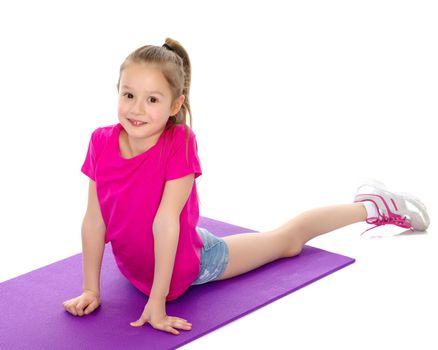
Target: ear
177,105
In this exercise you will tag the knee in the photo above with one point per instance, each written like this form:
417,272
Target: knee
293,249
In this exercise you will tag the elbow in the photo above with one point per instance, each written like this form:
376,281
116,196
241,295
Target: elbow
168,224
95,228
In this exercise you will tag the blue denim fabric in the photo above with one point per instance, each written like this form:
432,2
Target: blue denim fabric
214,257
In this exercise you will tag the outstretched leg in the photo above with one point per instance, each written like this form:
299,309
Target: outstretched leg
318,221
248,251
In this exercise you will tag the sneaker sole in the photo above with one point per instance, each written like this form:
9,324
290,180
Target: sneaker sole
416,202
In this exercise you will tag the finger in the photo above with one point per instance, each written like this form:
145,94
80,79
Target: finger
178,322
94,305
80,308
72,310
89,309
183,326
183,321
178,319
171,330
69,307
137,323
68,302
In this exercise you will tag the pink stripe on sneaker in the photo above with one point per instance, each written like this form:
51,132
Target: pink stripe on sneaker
381,198
392,200
390,218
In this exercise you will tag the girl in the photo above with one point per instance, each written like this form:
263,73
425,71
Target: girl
142,198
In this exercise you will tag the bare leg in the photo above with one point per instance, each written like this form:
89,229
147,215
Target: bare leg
318,221
248,251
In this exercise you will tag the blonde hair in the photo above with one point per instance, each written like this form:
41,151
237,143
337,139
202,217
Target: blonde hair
173,61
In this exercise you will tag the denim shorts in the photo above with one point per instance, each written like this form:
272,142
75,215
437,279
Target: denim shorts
214,257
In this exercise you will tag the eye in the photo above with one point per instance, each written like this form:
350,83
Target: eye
152,99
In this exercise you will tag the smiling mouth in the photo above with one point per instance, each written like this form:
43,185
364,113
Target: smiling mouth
136,122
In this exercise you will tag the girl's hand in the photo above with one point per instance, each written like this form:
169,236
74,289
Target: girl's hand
84,304
155,314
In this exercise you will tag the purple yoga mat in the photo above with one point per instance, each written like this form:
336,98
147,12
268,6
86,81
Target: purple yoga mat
32,315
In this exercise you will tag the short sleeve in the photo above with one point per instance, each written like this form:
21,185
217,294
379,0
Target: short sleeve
183,159
89,165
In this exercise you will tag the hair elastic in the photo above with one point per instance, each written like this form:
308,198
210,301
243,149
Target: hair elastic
168,47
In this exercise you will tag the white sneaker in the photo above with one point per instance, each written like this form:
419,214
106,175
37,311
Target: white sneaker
401,209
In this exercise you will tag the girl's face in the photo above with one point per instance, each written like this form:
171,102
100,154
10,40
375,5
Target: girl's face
145,97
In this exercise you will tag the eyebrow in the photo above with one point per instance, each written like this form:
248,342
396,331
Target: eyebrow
152,92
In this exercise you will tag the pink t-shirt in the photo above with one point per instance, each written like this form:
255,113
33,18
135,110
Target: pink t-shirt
129,193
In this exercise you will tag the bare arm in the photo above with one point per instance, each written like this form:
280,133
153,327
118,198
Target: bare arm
166,231
93,242
165,244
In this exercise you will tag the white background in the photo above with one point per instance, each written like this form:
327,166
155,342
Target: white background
294,103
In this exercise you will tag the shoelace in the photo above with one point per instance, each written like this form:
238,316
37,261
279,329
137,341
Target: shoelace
393,219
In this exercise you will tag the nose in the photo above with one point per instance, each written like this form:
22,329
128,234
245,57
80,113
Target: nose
137,107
